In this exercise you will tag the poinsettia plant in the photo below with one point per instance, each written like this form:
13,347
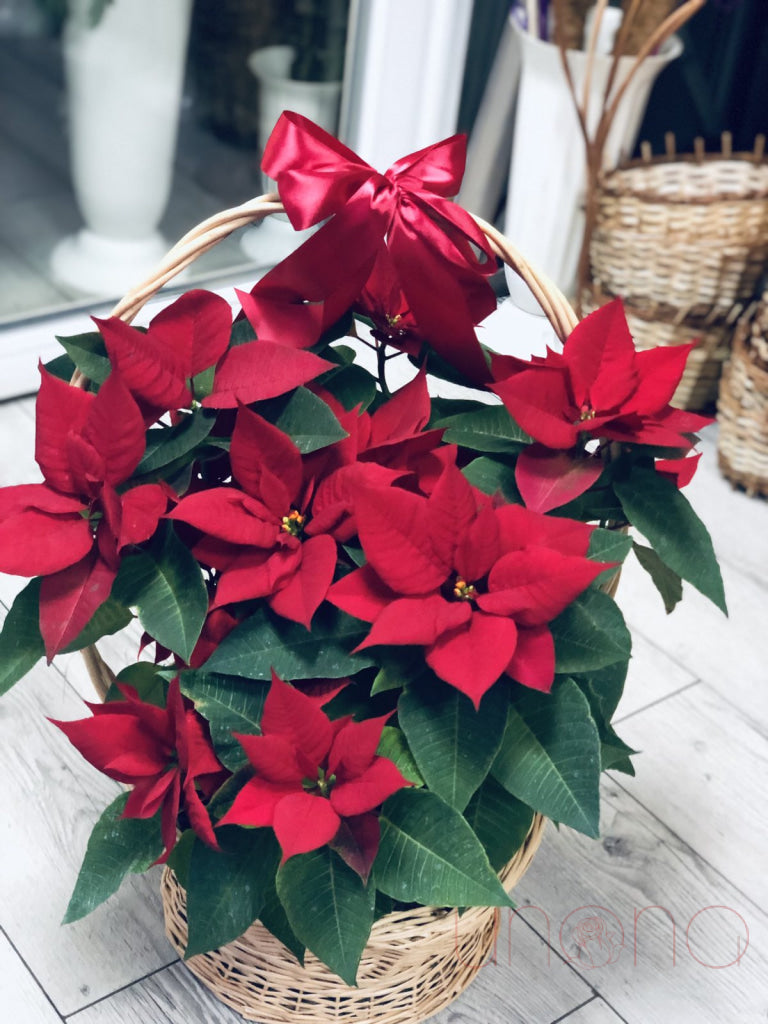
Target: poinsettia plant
379,630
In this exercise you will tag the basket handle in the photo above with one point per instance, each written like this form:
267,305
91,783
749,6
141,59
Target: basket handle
555,306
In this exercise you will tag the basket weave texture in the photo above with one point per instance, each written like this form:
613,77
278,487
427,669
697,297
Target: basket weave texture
682,235
742,408
416,962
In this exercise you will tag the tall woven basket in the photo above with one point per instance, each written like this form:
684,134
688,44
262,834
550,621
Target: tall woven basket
417,961
742,408
683,239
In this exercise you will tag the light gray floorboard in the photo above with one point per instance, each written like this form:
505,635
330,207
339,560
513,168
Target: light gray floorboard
702,771
593,1012
48,805
21,998
640,863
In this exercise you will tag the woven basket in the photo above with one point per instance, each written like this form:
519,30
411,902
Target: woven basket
742,407
417,961
685,235
712,340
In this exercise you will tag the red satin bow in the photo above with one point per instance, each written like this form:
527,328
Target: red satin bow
440,256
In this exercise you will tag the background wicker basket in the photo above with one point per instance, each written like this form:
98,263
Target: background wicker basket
683,234
684,241
257,975
742,407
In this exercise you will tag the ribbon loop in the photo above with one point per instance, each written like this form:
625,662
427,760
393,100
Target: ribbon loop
405,211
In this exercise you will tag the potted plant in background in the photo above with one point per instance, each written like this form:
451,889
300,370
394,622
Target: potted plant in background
380,638
303,74
124,68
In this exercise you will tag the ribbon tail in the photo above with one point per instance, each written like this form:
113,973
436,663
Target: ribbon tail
428,272
300,298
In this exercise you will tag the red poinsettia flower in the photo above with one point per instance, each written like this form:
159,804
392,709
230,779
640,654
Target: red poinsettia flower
254,534
600,386
163,753
474,585
383,301
314,778
157,365
386,445
71,529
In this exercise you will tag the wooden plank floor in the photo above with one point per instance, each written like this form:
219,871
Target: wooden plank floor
687,837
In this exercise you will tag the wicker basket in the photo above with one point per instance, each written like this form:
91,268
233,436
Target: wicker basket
712,339
686,235
742,408
417,961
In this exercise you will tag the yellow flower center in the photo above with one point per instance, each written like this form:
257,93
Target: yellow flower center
586,413
293,523
462,590
393,321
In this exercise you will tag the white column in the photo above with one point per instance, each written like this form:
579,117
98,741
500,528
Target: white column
405,68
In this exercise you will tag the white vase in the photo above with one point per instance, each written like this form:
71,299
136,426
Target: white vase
124,79
547,180
274,238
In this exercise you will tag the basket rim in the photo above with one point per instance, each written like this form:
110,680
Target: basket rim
610,182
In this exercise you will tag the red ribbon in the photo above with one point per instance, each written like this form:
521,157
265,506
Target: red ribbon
441,257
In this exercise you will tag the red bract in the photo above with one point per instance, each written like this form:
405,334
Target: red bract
71,529
186,338
313,775
255,536
599,387
475,586
164,753
382,447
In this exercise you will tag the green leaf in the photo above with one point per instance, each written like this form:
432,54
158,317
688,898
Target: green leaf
146,679
399,667
604,688
452,744
230,704
590,634
328,909
61,367
664,516
117,846
227,888
265,641
499,820
309,422
21,645
165,584
490,429
492,477
181,855
275,920
352,385
89,354
667,582
394,746
109,618
614,752
166,445
429,854
608,546
241,332
550,756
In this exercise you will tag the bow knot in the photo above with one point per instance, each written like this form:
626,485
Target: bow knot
440,255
